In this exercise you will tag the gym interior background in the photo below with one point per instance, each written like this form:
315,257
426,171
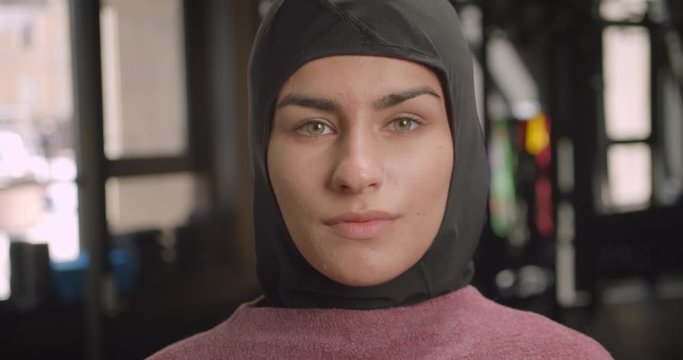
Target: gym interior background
124,174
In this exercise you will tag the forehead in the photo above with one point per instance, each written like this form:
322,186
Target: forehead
359,77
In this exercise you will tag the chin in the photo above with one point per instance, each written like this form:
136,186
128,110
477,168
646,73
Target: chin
363,282
362,277
359,263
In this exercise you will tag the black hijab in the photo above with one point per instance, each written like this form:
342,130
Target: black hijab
424,31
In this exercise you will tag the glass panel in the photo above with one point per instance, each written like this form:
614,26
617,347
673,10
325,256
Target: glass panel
5,290
38,201
629,172
471,21
565,255
143,78
623,10
150,202
626,67
670,168
513,78
565,165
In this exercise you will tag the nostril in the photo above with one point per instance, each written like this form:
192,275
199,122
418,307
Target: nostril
356,172
354,185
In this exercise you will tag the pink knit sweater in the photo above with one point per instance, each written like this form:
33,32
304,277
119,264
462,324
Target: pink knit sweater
460,325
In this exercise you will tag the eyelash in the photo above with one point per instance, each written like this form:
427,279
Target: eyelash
416,122
301,127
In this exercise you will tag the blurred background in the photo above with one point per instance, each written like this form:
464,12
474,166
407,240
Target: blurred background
125,182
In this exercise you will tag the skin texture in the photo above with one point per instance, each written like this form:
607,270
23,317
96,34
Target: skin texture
342,144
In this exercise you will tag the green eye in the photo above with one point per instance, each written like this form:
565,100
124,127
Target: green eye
314,128
403,125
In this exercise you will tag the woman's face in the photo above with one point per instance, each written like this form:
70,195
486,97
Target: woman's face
360,159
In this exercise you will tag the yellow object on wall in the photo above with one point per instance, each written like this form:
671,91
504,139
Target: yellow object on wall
537,135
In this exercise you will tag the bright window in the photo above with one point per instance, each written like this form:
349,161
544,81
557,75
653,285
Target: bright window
143,72
630,176
626,67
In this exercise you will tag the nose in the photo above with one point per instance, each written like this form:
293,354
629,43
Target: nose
358,166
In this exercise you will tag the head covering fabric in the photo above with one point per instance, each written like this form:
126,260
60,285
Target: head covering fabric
428,32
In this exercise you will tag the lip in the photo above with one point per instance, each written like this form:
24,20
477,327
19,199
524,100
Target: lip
365,225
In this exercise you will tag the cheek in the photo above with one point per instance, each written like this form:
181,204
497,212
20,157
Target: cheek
422,175
423,182
294,178
284,171
296,182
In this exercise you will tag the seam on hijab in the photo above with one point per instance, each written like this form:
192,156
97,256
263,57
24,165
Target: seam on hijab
346,17
425,277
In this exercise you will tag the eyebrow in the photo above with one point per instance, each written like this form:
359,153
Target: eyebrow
399,97
309,102
329,105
